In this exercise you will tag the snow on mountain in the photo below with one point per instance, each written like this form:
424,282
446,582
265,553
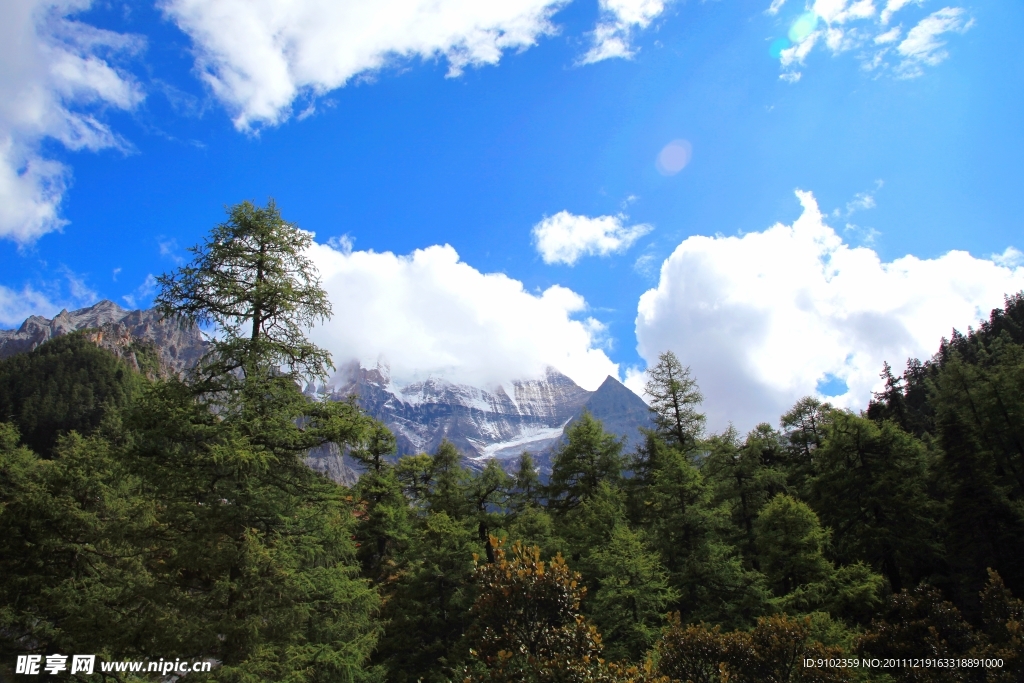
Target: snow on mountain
530,415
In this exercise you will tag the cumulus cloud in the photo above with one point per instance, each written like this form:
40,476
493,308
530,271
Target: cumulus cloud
56,77
848,25
259,56
428,313
764,318
619,19
565,237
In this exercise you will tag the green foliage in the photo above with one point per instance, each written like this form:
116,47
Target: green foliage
384,530
745,476
633,596
979,414
589,457
67,384
428,603
251,279
672,499
791,547
920,621
870,486
790,544
675,398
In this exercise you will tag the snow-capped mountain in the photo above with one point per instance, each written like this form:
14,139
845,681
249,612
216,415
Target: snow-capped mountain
528,415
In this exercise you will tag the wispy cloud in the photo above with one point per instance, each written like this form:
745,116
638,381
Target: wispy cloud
857,26
169,249
142,294
619,20
71,291
923,45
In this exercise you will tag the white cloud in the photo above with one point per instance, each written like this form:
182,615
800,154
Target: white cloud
894,6
774,8
1011,258
72,292
846,25
259,56
16,306
890,36
565,237
842,11
922,46
619,18
428,313
53,84
764,317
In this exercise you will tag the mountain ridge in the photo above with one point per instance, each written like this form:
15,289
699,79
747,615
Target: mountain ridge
502,422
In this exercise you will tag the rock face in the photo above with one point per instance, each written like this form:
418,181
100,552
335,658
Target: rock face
114,328
498,423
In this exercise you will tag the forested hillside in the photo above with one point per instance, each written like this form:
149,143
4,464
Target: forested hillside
145,517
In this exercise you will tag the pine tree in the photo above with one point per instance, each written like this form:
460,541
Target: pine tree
251,279
675,398
632,596
871,488
589,457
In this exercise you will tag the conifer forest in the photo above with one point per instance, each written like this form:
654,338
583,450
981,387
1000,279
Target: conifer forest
144,514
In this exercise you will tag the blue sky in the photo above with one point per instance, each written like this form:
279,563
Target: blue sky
901,119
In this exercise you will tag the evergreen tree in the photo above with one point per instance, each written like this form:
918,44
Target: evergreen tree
251,279
691,530
871,487
263,551
979,410
633,594
66,384
745,475
804,429
428,608
526,487
489,497
791,545
675,399
589,457
384,530
449,483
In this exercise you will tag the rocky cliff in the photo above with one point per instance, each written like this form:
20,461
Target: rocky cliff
116,329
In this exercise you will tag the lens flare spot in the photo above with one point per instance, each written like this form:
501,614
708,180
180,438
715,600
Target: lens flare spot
803,26
674,157
777,46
